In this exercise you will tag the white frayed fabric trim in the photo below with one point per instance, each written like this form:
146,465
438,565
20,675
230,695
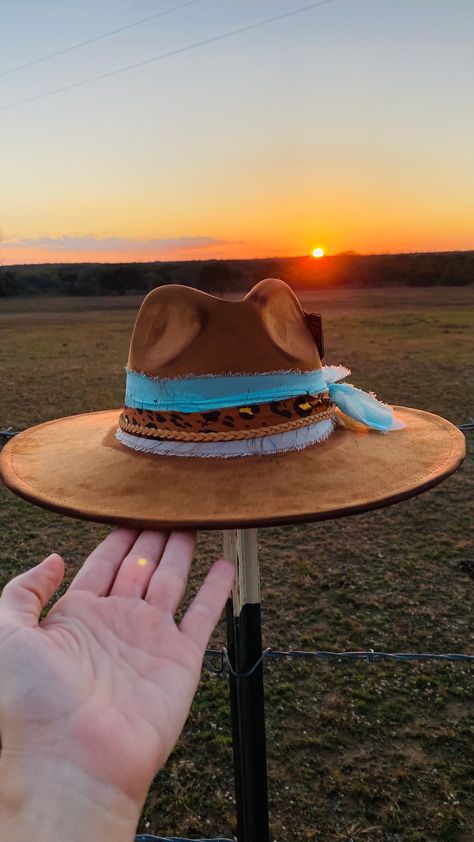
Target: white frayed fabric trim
281,443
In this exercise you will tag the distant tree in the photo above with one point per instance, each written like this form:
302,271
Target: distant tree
117,279
217,276
68,278
7,283
86,280
162,275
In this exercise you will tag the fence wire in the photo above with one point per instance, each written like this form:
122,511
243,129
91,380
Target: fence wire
467,427
370,655
147,838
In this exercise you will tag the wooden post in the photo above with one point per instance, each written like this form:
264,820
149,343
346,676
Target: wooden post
244,644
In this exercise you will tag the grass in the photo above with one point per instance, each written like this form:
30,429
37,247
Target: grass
363,752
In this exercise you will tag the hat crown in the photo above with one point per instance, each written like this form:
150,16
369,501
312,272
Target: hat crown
182,331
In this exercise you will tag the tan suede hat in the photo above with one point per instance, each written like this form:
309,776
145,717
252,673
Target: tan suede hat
230,419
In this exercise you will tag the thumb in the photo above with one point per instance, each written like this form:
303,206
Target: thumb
27,594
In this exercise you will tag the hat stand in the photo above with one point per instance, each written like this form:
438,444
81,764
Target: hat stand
244,644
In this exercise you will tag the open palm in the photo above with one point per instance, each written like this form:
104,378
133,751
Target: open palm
106,680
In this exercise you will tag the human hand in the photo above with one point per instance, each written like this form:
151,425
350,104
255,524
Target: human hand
98,692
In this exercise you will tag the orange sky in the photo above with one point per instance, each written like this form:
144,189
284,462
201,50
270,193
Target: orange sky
344,127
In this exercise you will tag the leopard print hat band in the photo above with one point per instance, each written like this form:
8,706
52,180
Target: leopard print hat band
251,421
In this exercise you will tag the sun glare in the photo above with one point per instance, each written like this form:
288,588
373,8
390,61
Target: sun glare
318,252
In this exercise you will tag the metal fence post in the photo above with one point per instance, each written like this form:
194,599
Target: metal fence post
244,640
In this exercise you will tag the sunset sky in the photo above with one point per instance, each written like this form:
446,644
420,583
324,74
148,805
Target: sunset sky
349,126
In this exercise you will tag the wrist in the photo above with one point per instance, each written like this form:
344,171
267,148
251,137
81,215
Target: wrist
53,801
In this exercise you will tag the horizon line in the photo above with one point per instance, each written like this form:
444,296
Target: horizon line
348,253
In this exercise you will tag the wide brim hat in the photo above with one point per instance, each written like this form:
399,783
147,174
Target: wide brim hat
231,420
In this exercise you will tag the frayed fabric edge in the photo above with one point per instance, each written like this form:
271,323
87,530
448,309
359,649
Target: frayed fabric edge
333,373
236,374
268,445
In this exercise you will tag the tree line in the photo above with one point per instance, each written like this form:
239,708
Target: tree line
228,276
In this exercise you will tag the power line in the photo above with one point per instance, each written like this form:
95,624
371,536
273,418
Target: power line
98,38
178,51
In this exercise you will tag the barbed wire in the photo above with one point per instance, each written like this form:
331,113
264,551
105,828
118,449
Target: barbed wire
8,433
145,837
466,427
370,655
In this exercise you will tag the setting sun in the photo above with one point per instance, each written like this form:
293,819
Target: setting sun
318,252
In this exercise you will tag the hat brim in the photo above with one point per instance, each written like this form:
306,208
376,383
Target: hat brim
76,466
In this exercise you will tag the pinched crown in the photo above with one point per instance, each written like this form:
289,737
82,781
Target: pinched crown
180,331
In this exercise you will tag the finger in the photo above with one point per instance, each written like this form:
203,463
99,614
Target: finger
203,614
138,566
168,583
98,571
27,594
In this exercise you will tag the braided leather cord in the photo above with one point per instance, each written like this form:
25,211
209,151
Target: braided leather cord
226,435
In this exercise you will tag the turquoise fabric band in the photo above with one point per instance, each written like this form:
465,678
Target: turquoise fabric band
208,392
200,394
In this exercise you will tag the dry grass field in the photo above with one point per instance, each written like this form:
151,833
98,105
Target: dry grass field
364,752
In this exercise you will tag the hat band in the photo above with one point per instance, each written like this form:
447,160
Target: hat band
251,421
209,392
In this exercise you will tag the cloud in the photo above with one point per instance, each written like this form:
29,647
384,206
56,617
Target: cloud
89,243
